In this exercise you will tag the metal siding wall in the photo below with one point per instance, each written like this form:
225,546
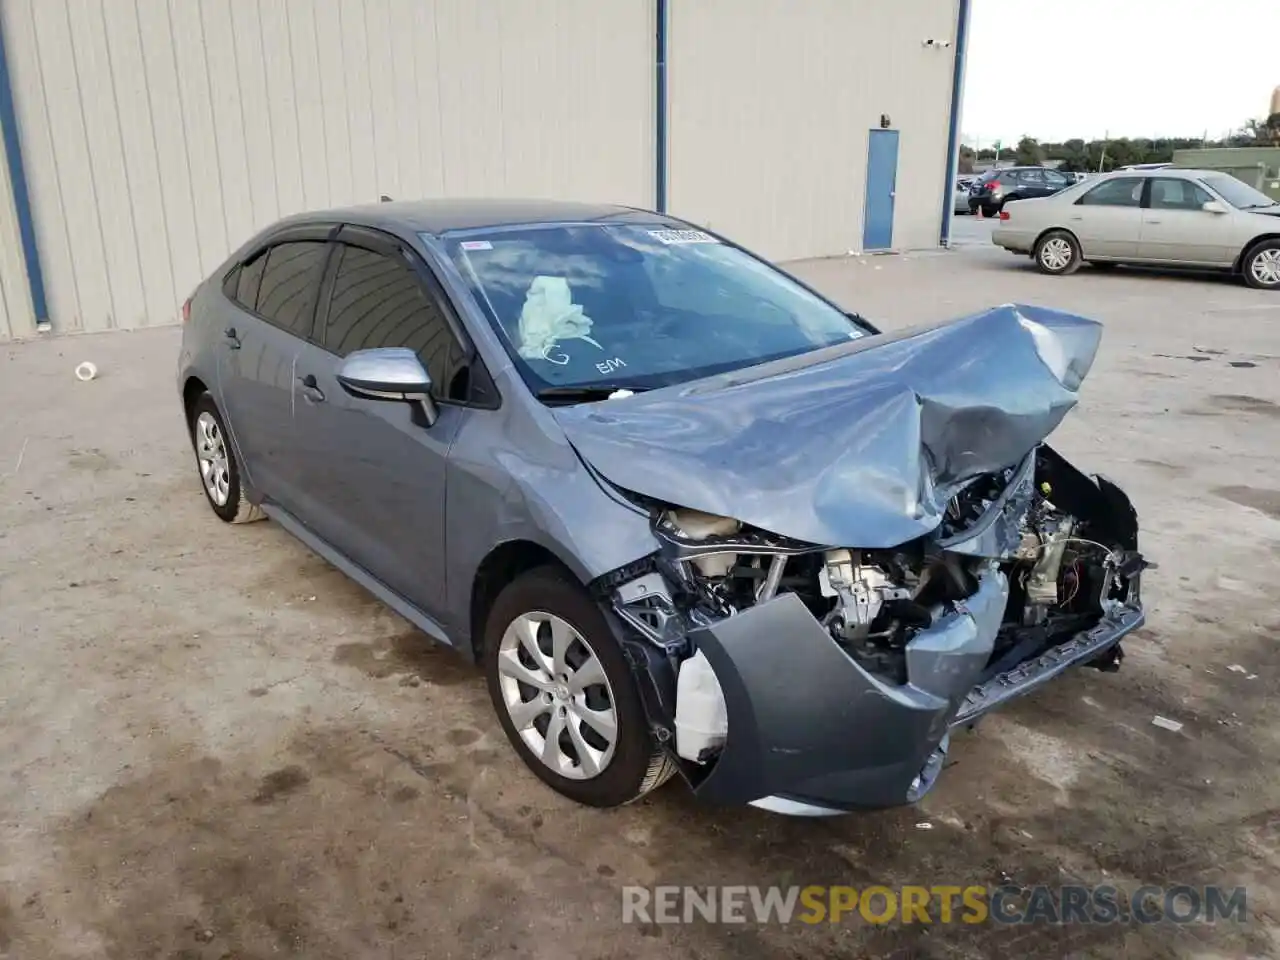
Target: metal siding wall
17,318
159,135
770,106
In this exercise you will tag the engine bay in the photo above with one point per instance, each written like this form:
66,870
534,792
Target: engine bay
1060,539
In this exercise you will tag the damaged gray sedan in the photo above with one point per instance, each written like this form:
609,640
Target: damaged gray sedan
689,515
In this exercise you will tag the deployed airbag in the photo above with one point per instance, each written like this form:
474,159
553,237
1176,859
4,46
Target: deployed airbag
548,316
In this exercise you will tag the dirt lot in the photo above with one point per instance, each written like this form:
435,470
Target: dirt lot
212,745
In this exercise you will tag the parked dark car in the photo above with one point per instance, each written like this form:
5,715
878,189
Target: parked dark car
991,191
688,514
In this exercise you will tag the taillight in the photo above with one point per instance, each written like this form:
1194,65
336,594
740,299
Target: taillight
186,310
1004,214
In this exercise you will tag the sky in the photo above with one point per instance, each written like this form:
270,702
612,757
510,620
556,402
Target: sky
1136,68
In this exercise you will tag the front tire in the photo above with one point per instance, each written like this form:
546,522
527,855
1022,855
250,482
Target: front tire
564,695
1261,266
1057,253
216,462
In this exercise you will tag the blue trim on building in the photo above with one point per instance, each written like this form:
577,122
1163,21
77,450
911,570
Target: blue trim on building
660,109
953,143
18,180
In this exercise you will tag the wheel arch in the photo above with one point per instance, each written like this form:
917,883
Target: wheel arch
1238,266
1055,229
192,388
501,565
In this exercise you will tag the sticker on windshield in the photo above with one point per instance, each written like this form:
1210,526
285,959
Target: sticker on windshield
476,245
670,237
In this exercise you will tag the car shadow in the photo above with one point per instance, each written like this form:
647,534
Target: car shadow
1122,271
1169,273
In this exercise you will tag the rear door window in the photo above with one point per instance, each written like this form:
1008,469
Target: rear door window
378,301
1121,192
290,278
248,280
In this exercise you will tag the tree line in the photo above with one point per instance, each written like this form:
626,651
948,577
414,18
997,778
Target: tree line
1092,155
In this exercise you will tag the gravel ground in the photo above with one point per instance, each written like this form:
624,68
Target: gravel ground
212,745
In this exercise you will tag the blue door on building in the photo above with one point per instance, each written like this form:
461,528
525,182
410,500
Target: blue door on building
882,178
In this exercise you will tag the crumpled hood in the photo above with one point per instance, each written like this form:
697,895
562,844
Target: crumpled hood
862,444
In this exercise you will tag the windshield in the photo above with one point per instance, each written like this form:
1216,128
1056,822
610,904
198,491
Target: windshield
637,307
1236,192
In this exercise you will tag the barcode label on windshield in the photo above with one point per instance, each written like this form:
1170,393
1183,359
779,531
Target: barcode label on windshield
682,236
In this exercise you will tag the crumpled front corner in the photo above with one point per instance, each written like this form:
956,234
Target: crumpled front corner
864,445
1065,342
946,659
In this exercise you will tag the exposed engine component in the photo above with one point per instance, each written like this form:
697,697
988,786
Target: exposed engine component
1044,549
696,526
646,604
862,592
702,721
1049,553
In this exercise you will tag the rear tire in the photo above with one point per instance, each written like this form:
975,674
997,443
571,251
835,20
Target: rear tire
1057,253
217,465
560,686
1261,265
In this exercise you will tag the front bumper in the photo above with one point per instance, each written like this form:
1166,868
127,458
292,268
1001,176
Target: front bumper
812,732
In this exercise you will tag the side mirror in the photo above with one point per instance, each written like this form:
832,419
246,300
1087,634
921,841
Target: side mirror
1214,206
388,373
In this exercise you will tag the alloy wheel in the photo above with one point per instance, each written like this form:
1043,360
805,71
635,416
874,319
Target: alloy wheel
1265,267
211,451
557,695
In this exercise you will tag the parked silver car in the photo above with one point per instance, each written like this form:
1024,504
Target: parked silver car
1181,218
688,514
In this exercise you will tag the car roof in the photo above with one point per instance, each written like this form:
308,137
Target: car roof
1183,173
437,216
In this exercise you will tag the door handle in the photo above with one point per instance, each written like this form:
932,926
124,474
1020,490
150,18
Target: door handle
233,338
310,390
1153,221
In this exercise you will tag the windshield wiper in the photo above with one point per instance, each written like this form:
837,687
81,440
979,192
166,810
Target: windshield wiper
1259,206
585,392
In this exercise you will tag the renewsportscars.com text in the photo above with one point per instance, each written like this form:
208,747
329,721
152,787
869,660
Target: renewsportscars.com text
938,904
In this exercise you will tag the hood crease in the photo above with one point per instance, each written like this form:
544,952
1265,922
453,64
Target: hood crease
861,446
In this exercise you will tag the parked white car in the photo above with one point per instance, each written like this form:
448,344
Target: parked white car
1181,218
